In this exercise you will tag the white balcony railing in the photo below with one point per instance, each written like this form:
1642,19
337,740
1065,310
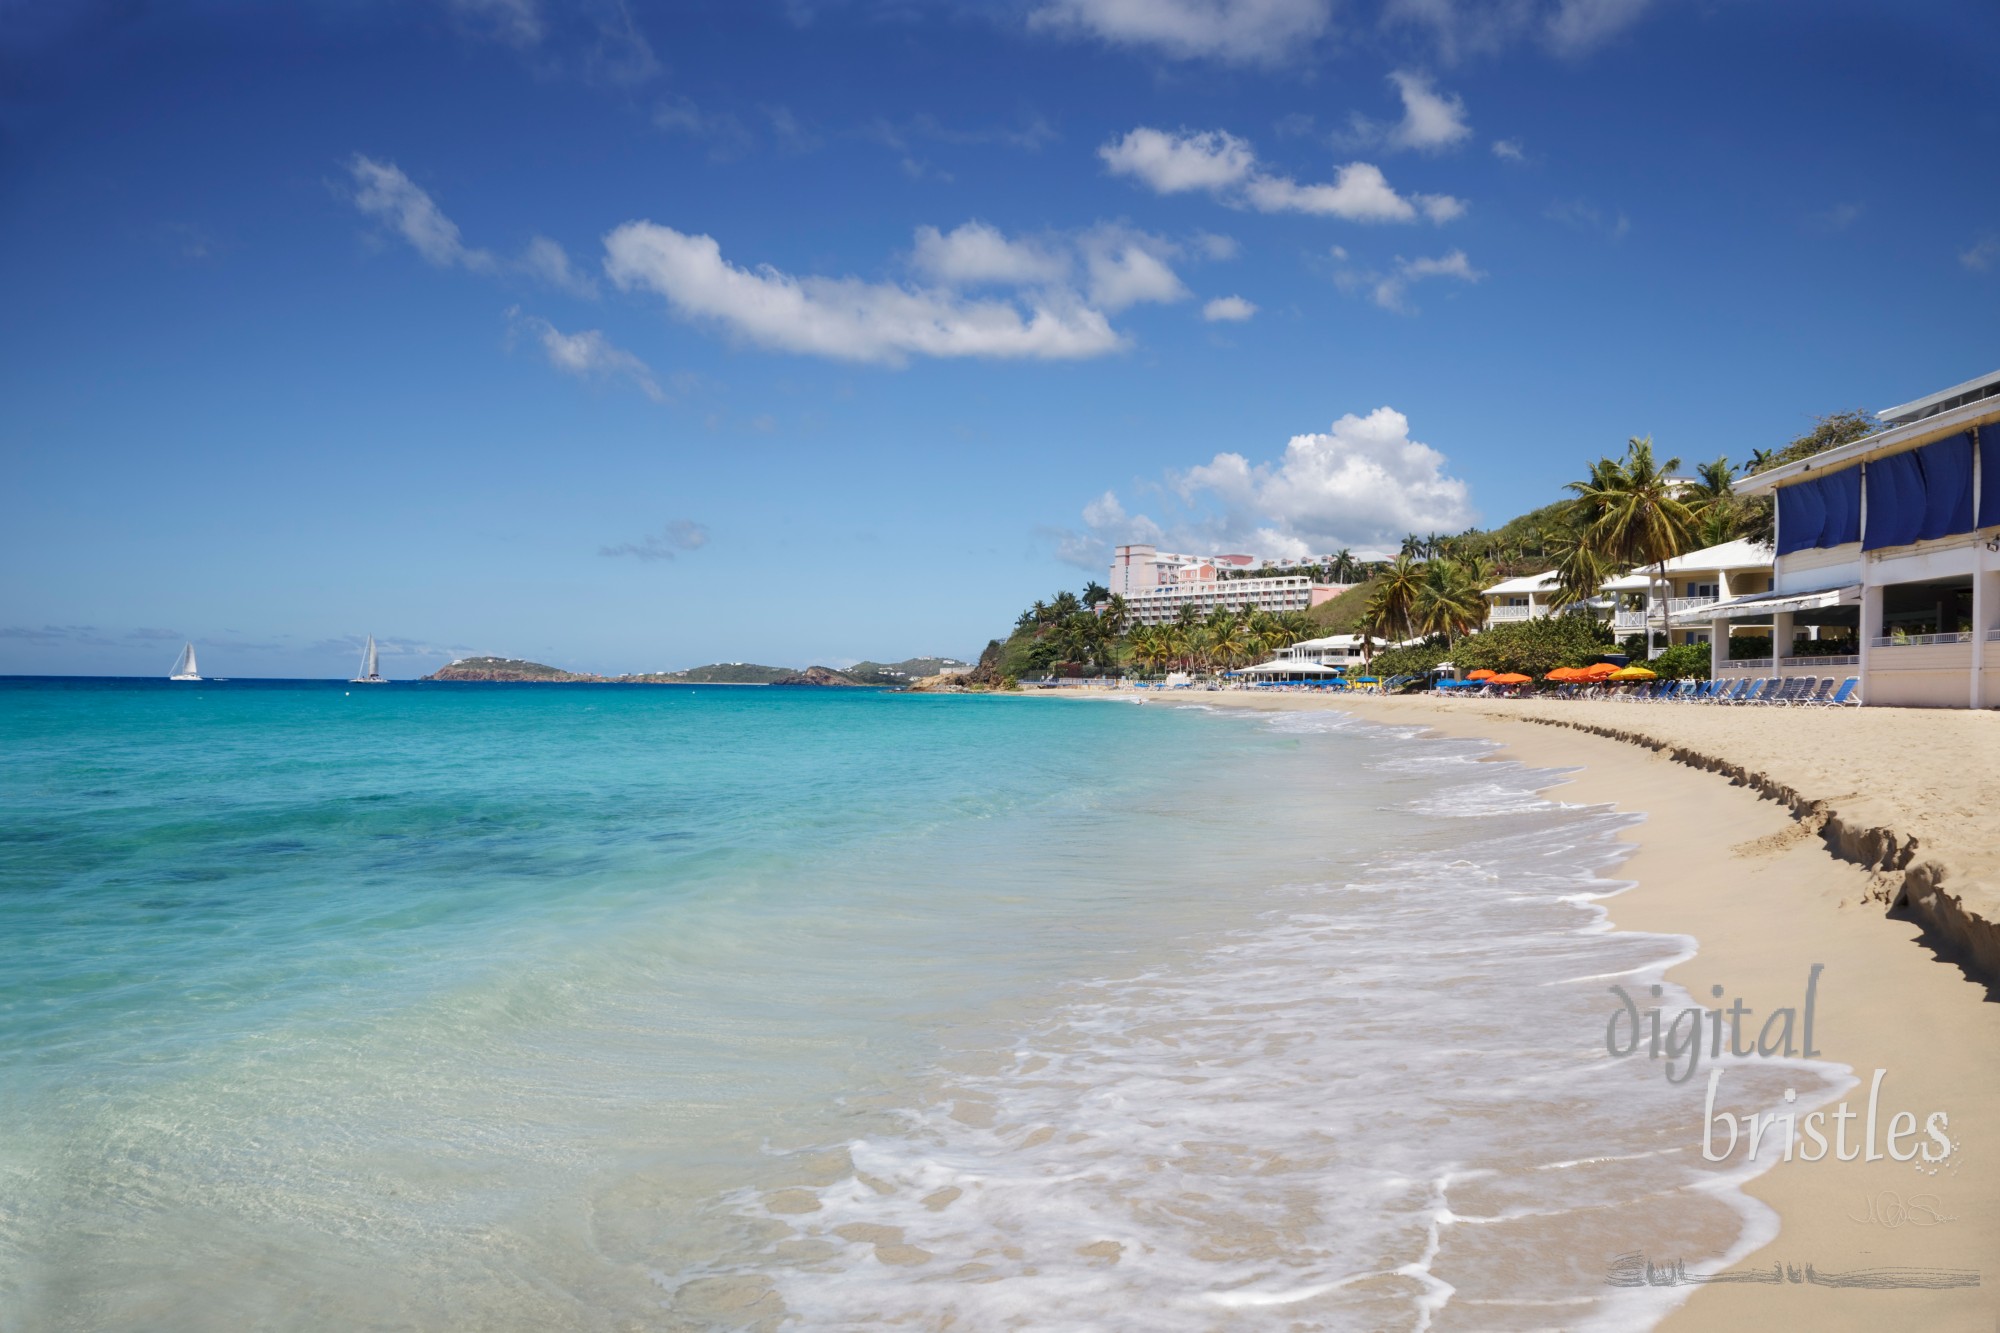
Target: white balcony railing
1676,605
1842,659
1918,640
1634,621
1748,664
1498,614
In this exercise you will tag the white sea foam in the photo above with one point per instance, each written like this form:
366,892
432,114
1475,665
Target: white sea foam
1382,1102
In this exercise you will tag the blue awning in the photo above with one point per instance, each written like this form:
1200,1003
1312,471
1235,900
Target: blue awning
1824,511
1841,493
1896,501
1989,476
1947,469
1801,516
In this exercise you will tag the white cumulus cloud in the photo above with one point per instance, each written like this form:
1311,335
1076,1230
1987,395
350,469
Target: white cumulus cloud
1230,309
1127,267
1362,484
1190,160
848,319
1431,120
975,253
1236,31
1226,166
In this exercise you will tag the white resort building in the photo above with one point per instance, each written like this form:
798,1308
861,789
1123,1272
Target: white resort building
1157,584
1335,650
1692,581
1889,546
1525,598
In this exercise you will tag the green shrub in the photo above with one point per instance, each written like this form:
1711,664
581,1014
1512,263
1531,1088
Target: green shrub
1534,647
1742,646
1683,661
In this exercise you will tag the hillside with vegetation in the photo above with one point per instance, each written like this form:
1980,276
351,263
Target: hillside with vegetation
1630,514
510,670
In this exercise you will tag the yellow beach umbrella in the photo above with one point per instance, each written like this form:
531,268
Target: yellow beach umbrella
1634,673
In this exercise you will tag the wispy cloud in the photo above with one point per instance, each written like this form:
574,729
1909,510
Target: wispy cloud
384,192
1981,256
680,534
724,132
588,355
597,41
1583,215
1463,28
1391,290
1233,31
1228,309
1221,164
1509,150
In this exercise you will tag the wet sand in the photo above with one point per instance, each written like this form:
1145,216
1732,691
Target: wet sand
1765,894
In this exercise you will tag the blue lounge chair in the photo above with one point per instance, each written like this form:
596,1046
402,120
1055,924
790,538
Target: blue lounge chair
1845,696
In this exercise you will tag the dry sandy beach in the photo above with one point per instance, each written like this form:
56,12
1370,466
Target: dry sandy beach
1771,885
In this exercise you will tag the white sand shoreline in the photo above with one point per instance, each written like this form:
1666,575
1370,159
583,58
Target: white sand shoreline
1753,882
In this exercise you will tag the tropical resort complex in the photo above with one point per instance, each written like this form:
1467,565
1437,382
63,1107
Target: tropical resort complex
1858,561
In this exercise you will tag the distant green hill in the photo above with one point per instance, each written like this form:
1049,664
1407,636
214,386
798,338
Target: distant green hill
900,673
717,673
507,669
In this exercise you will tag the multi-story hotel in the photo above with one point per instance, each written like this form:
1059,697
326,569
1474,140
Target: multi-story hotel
1157,584
1890,544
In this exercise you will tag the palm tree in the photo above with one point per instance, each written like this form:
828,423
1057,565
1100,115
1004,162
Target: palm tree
1580,571
1116,614
1226,644
1343,566
1390,606
1632,514
1759,460
1064,605
1448,601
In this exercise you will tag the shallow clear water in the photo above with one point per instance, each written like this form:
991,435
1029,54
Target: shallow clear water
551,1007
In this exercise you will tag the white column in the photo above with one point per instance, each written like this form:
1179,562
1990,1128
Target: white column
1982,608
1871,625
1781,639
1718,646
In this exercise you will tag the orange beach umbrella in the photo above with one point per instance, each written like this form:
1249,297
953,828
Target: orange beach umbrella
1599,671
1512,678
1564,673
1481,674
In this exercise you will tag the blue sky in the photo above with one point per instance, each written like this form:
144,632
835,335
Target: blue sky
631,336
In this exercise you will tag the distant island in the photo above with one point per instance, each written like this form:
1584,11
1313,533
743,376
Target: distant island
862,674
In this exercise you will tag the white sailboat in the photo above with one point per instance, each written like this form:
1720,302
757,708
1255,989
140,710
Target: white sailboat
185,668
370,669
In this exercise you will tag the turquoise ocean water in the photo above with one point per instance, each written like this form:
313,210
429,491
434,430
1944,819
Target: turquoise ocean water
439,1007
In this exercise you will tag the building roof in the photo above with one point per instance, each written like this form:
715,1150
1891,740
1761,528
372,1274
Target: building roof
1914,423
1984,386
1765,603
1526,583
1739,554
1330,641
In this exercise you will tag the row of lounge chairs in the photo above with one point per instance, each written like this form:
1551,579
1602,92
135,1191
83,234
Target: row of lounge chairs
1781,691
